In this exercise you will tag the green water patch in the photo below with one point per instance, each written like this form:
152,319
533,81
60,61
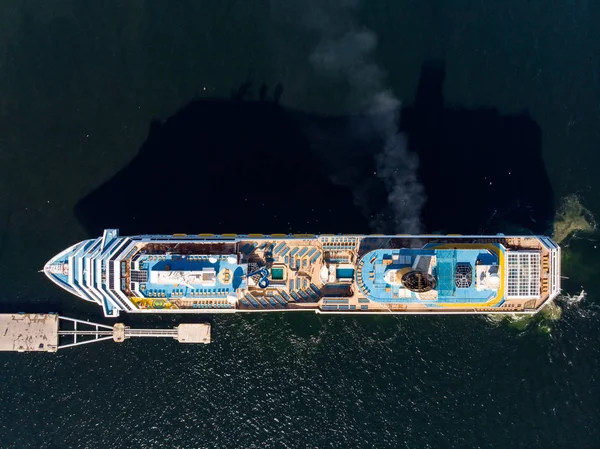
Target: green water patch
548,316
541,322
571,217
580,263
552,312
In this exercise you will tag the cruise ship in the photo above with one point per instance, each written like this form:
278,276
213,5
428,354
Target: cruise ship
354,274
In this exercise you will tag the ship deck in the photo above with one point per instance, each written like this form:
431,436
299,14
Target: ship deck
325,273
351,282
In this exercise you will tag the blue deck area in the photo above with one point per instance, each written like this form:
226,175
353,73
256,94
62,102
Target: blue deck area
371,275
193,264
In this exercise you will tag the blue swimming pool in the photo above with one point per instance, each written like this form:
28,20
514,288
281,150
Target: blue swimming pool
344,273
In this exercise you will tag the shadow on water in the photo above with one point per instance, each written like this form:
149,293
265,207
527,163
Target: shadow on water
223,166
482,171
254,166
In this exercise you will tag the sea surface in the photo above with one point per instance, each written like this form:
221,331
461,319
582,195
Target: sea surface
301,116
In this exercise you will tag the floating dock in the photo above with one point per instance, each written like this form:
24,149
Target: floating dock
29,332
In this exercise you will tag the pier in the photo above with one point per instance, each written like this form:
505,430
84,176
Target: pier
29,332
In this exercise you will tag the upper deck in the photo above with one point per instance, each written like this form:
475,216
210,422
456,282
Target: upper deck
376,274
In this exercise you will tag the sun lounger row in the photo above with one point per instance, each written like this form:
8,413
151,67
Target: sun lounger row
295,263
307,293
315,257
282,251
298,263
269,301
303,295
314,295
212,306
363,287
301,283
312,292
341,307
204,258
340,240
247,248
216,292
156,293
339,259
251,300
335,301
343,246
280,299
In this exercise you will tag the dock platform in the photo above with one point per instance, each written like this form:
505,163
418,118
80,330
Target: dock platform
193,333
28,332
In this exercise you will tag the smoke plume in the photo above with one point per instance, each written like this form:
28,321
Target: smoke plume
345,51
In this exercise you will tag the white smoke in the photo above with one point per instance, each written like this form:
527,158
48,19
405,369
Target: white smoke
345,51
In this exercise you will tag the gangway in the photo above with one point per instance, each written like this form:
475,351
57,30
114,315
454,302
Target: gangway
46,333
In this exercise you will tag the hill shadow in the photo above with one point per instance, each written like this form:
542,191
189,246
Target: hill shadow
233,165
482,171
223,166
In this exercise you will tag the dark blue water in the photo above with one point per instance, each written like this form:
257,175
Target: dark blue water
224,116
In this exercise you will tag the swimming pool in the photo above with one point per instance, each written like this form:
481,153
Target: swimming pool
277,274
344,273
